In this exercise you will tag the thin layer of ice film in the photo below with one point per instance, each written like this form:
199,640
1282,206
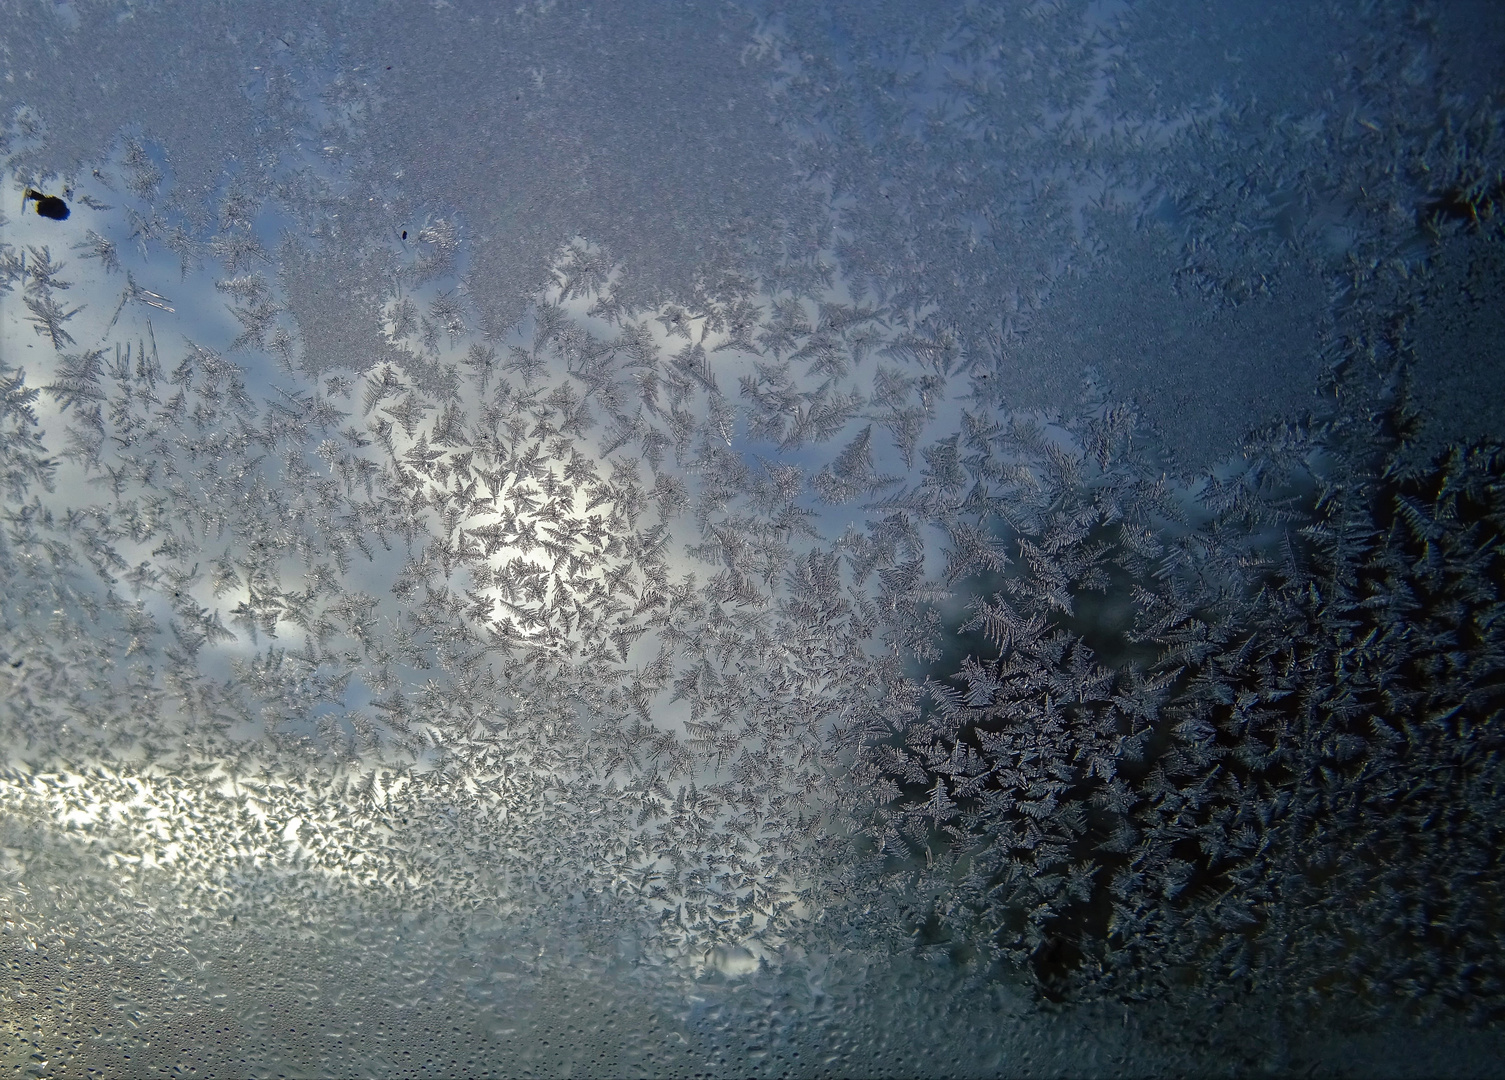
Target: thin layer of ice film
535,122
1017,167
686,614
1199,230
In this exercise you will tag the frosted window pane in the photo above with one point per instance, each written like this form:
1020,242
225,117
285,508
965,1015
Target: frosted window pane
755,540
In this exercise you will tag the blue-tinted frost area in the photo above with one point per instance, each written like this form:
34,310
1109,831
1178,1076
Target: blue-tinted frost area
756,540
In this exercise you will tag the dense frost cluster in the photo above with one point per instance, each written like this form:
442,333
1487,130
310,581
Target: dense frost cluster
888,592
545,575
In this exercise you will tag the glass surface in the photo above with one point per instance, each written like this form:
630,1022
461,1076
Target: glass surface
757,538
